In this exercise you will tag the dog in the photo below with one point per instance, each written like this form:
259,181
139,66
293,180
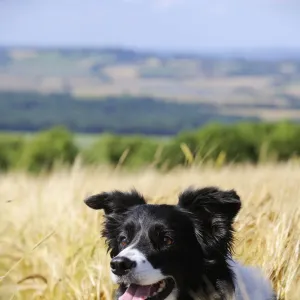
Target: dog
177,252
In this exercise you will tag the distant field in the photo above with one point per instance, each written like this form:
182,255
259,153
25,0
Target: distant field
82,140
50,244
86,140
124,91
181,78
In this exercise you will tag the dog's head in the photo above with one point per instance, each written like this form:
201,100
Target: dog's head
160,251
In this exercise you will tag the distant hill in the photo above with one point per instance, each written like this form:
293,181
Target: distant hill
128,91
31,112
248,77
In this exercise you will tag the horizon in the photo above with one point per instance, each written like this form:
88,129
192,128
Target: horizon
120,47
258,53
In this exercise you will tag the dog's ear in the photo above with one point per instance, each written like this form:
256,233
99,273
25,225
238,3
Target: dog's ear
115,201
214,211
114,204
210,201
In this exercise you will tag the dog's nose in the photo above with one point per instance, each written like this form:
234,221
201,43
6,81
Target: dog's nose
121,265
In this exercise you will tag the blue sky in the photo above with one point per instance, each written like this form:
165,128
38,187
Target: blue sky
152,24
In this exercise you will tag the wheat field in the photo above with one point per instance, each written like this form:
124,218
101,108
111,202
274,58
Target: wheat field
50,247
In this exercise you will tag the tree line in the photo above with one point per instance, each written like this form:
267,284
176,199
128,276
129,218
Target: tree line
215,143
120,114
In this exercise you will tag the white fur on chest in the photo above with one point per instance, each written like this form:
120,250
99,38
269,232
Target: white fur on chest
250,283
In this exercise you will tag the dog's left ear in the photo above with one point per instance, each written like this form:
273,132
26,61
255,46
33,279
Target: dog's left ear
115,201
214,210
211,201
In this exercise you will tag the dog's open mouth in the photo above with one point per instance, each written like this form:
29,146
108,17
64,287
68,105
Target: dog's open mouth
158,291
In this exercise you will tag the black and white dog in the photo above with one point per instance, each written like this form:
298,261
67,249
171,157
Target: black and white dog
178,251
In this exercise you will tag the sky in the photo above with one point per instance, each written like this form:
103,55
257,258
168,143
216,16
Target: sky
191,25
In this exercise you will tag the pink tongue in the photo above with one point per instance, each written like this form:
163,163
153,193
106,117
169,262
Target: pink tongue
136,292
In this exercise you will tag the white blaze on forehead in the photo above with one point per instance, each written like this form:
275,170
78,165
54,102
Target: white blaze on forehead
143,273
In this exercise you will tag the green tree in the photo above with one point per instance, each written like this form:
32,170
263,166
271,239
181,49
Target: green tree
48,148
131,151
10,151
284,141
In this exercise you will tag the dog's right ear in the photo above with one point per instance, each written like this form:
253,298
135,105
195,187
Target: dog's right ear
115,201
114,204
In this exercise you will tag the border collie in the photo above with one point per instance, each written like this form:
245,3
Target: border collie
183,251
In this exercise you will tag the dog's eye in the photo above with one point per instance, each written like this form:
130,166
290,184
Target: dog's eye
123,241
168,241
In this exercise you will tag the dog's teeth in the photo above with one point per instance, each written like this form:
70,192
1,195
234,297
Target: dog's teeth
162,285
